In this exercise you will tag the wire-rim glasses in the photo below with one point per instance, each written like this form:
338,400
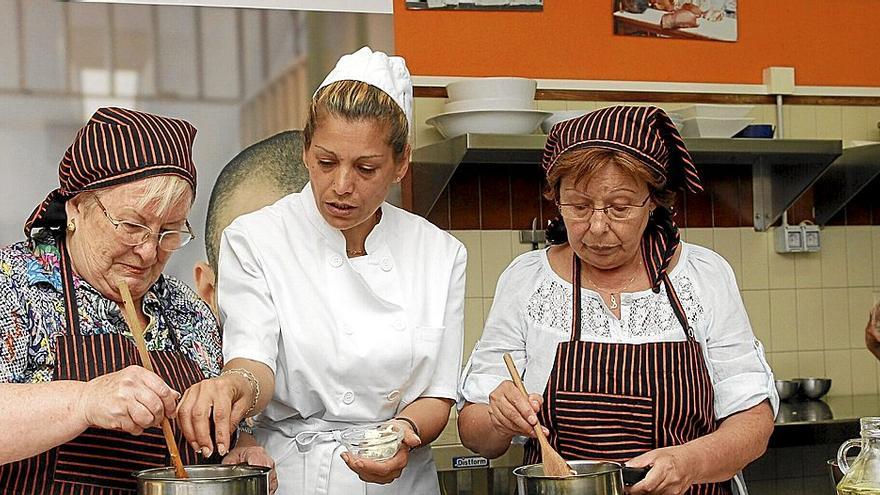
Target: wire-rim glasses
134,234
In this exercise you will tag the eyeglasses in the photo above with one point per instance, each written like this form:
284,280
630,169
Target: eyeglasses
134,234
614,213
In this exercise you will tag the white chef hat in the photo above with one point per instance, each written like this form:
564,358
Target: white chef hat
376,69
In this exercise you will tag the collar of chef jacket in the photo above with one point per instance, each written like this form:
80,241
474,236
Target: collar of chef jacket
375,241
387,289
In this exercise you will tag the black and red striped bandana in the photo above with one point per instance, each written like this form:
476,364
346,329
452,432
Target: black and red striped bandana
116,146
646,133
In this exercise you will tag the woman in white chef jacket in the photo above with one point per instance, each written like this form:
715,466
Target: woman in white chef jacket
350,310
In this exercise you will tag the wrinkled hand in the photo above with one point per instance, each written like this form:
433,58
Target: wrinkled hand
385,471
254,455
669,474
511,412
131,400
225,399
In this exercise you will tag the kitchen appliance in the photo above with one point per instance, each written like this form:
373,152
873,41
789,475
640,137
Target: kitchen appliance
219,479
863,475
590,478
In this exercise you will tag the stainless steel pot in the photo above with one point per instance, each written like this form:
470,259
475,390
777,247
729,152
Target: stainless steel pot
218,479
591,478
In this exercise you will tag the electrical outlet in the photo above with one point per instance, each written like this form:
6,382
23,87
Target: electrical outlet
797,239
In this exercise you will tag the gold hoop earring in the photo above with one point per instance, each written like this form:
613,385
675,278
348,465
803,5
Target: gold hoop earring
71,225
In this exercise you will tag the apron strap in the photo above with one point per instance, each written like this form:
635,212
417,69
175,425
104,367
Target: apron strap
677,307
575,297
70,304
674,301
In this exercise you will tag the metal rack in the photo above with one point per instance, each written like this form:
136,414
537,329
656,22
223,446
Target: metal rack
782,169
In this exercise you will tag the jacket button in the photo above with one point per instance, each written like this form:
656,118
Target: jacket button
398,324
348,397
386,264
393,395
347,331
336,261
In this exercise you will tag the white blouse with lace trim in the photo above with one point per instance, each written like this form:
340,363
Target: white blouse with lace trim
531,314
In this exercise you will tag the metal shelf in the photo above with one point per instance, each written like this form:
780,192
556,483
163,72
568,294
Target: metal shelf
845,178
782,168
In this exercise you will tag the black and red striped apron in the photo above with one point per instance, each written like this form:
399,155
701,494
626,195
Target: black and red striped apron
613,402
99,461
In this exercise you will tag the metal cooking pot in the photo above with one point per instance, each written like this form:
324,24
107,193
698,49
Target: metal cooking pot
591,478
217,479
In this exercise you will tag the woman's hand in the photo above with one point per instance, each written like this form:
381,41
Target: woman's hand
385,471
225,400
255,455
512,413
132,400
670,472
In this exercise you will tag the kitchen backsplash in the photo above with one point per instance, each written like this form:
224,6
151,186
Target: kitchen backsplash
809,310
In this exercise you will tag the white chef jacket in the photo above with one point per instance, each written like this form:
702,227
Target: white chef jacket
531,315
351,341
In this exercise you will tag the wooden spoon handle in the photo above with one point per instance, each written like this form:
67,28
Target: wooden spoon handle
138,333
514,375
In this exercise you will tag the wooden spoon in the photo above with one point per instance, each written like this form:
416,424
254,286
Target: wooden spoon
554,464
134,324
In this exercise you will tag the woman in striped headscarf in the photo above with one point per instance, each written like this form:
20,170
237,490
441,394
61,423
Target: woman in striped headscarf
648,358
80,411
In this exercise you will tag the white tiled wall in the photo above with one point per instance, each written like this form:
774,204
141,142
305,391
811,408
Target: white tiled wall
809,310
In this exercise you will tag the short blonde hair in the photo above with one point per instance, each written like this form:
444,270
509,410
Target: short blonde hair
583,163
357,100
162,191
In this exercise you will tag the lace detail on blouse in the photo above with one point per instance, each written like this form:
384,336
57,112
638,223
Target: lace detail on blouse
648,315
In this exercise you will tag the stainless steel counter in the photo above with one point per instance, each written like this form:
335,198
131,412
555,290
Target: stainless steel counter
828,420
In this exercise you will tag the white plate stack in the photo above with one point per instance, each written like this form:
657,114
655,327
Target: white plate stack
489,105
709,120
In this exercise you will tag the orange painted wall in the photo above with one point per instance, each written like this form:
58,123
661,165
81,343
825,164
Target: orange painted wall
830,43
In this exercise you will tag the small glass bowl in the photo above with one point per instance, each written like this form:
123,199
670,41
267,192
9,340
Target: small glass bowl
376,443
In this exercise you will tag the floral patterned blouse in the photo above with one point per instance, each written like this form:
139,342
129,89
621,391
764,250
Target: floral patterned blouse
32,315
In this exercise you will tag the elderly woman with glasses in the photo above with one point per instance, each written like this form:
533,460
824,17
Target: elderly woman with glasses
635,347
80,411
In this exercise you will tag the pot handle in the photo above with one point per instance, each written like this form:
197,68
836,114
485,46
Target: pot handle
841,454
632,475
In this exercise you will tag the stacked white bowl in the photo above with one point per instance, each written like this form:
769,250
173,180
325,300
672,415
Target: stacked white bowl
489,105
710,120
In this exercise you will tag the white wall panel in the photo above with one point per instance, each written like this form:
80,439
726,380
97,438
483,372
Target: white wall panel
45,46
9,46
177,52
88,55
134,44
219,38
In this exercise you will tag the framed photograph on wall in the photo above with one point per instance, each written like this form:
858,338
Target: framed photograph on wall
475,4
713,20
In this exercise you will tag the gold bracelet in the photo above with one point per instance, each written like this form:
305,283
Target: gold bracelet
255,384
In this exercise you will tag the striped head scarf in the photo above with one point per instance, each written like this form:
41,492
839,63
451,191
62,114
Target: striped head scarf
646,133
117,146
